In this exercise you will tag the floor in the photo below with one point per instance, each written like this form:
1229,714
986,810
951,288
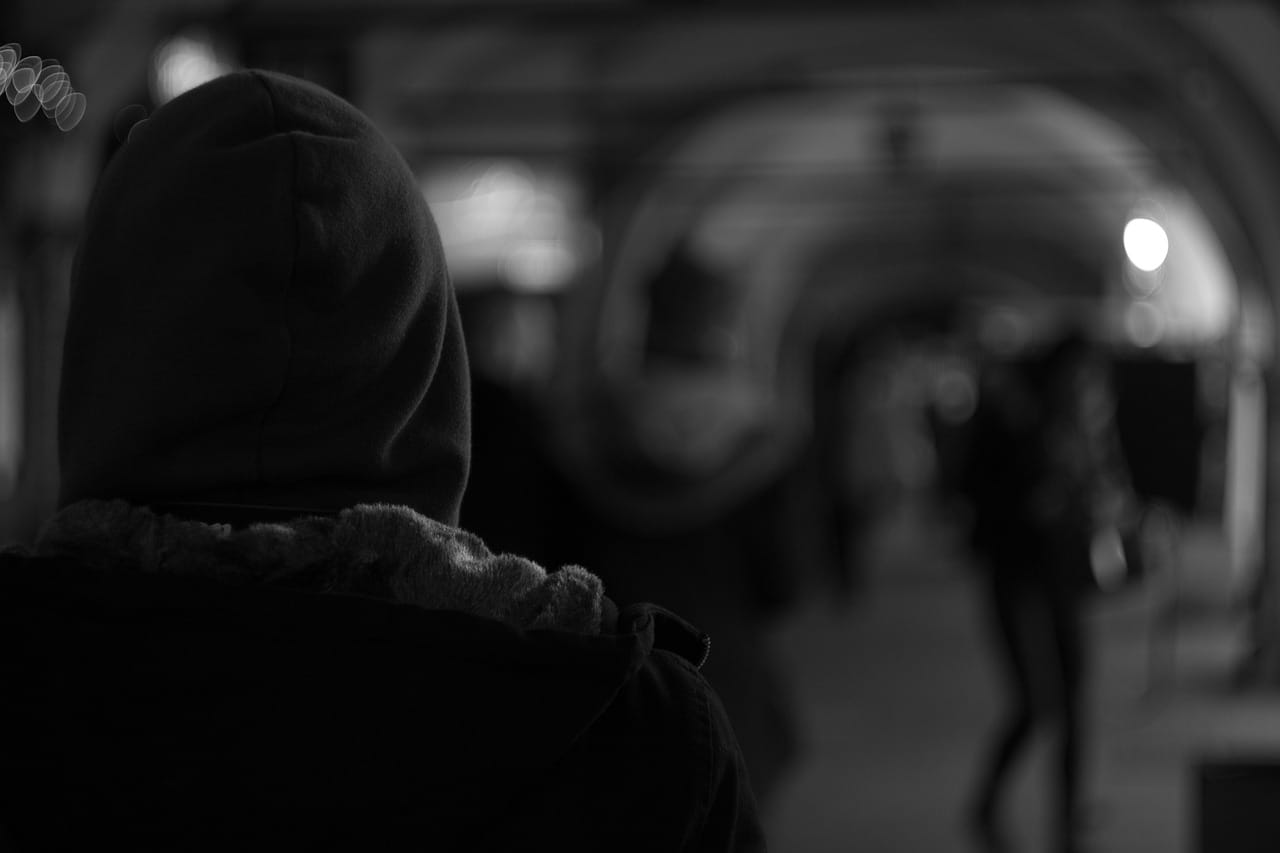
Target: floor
896,692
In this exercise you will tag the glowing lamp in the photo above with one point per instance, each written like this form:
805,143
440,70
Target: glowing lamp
1146,243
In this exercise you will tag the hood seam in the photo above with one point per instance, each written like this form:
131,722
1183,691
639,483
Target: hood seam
259,454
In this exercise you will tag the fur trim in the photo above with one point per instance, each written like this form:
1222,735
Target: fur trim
377,550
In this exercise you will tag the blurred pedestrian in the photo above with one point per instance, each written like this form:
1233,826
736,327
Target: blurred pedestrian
685,483
1042,476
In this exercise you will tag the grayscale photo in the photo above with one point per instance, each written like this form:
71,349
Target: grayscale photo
643,426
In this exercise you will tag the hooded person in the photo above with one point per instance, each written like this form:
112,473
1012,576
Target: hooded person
252,621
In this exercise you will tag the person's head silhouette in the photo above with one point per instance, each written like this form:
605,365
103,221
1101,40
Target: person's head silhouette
261,315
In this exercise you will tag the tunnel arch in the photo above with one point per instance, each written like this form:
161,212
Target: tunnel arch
1167,81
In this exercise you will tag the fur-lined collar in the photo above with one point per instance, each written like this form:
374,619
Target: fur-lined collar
375,550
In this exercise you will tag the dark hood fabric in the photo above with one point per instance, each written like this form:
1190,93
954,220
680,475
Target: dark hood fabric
261,314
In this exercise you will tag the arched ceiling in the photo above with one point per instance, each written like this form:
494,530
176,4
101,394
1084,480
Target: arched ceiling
1020,143
926,164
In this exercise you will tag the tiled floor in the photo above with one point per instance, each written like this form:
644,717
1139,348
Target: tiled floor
897,692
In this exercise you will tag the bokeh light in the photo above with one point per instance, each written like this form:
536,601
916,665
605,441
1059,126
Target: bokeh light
184,62
507,220
33,85
1146,243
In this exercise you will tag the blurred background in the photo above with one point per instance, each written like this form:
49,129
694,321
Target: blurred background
733,276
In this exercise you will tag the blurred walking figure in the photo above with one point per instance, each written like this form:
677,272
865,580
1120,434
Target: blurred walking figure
1043,475
253,622
686,494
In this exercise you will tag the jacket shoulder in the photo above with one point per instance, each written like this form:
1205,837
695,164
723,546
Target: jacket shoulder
660,769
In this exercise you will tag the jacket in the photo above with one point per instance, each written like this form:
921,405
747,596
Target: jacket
177,685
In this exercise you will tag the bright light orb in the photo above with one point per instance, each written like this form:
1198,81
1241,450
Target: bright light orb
1146,243
184,62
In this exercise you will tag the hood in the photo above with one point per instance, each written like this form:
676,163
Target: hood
261,314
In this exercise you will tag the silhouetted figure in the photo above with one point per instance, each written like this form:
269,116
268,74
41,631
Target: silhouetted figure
252,623
684,492
841,510
1039,475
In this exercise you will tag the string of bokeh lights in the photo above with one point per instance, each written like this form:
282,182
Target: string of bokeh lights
34,85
